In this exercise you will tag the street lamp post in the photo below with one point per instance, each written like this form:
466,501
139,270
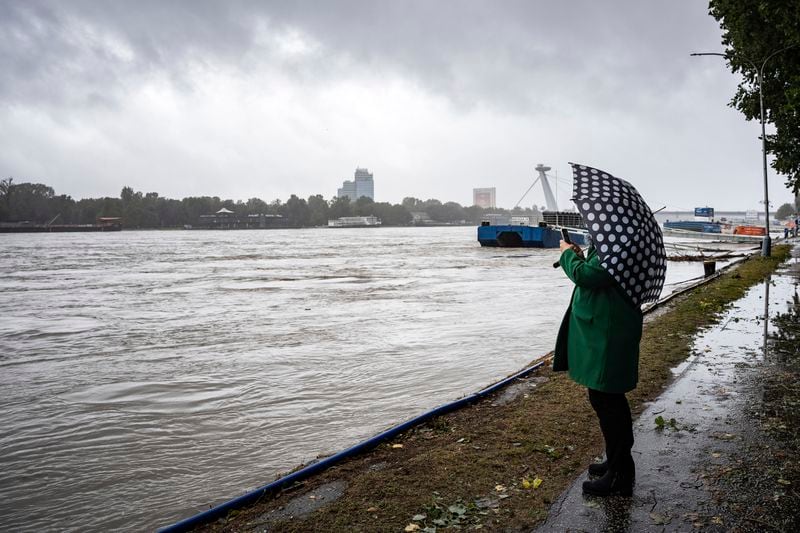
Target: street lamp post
766,245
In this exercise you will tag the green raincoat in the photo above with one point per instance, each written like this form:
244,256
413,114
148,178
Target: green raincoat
598,342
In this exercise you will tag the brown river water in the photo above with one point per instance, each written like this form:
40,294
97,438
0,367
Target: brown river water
146,375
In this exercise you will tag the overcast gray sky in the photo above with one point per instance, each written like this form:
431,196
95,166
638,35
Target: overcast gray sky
240,99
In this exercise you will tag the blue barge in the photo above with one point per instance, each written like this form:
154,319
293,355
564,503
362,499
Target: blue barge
533,231
694,225
510,236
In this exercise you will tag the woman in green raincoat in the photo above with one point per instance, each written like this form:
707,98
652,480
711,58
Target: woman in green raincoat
598,344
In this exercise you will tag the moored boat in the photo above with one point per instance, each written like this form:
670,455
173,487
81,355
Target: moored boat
355,222
541,231
759,231
518,236
102,224
694,225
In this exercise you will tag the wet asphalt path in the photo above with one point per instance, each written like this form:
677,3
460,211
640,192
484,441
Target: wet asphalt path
706,401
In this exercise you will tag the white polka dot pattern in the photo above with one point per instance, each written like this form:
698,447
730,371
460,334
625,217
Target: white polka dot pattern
628,238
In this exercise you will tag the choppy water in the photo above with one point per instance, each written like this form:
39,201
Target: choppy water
147,375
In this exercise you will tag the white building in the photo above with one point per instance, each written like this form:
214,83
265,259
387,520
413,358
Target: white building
484,197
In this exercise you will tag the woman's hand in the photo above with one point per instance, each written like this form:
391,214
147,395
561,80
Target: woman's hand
565,246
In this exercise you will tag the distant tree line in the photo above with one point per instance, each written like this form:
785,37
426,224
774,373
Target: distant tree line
38,203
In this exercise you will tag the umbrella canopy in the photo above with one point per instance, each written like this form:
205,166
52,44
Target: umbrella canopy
624,231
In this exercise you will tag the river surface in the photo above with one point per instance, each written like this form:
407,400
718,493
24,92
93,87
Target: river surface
145,375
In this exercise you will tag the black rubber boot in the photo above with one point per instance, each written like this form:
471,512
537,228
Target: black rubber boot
598,469
612,483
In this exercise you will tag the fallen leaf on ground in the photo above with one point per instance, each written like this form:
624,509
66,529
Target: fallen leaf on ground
397,445
411,527
457,509
660,519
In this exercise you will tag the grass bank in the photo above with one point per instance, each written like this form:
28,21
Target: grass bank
501,462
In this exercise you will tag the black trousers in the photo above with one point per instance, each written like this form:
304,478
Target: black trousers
614,415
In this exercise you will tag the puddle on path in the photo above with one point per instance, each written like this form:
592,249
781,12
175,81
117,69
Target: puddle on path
703,404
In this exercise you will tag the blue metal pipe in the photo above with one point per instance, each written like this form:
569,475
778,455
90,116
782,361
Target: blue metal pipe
251,497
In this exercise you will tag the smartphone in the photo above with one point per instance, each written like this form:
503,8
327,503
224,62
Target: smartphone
565,236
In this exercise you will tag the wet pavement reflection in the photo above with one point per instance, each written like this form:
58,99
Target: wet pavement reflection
702,421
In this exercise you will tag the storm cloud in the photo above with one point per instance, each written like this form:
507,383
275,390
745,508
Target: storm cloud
241,99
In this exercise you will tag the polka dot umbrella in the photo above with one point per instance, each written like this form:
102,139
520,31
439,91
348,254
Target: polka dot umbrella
625,233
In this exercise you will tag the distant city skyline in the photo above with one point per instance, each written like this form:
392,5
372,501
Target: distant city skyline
529,202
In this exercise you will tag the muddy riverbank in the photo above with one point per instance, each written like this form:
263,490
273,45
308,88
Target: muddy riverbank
500,464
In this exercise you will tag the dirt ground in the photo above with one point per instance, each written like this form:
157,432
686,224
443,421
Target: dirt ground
500,464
